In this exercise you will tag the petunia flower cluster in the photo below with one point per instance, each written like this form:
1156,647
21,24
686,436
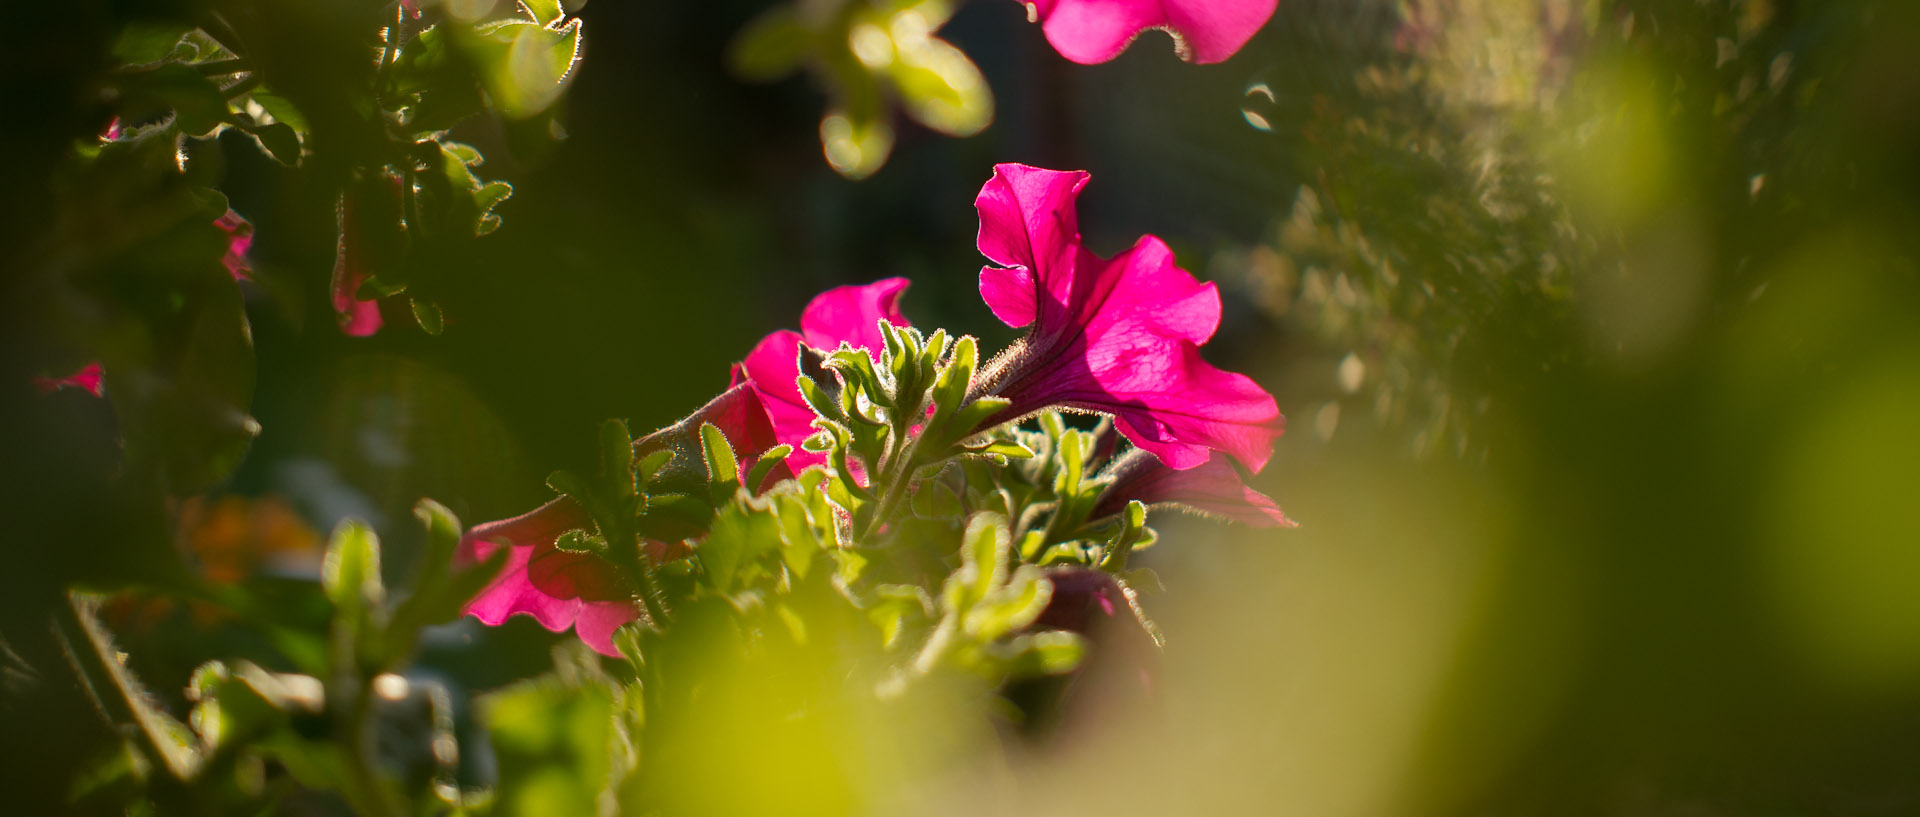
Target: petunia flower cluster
864,435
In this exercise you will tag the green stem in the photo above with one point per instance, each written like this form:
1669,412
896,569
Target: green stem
115,691
897,471
652,599
937,645
371,793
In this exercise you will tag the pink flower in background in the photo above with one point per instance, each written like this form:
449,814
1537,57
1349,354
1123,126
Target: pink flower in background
560,589
1094,31
849,314
88,378
1118,336
239,240
356,256
1213,488
566,590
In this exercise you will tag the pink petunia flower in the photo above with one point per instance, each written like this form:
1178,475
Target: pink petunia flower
88,379
1213,488
560,589
239,240
1117,336
848,314
355,259
1204,31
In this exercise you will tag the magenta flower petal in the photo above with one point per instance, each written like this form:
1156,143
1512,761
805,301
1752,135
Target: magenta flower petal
239,240
354,263
1095,31
852,314
849,314
1214,488
564,590
513,594
1117,336
514,591
739,412
770,370
87,379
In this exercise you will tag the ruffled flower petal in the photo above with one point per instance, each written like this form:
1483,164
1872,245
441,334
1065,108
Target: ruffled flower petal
852,314
848,314
1117,336
1095,31
564,590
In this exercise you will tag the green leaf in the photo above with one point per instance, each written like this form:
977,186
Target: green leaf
440,592
738,537
1133,531
571,484
1071,449
467,154
943,90
957,376
723,471
443,538
350,572
651,464
1000,448
525,66
1049,653
196,101
428,315
279,141
484,199
281,109
1009,608
545,12
856,143
442,75
551,738
797,540
772,46
984,553
148,42
896,607
768,461
616,458
672,517
849,565
823,403
936,500
579,541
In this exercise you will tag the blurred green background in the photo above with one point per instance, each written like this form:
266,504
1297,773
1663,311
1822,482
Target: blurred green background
1593,322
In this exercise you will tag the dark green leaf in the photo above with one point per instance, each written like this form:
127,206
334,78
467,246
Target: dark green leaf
148,42
196,101
772,46
281,109
279,141
428,315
